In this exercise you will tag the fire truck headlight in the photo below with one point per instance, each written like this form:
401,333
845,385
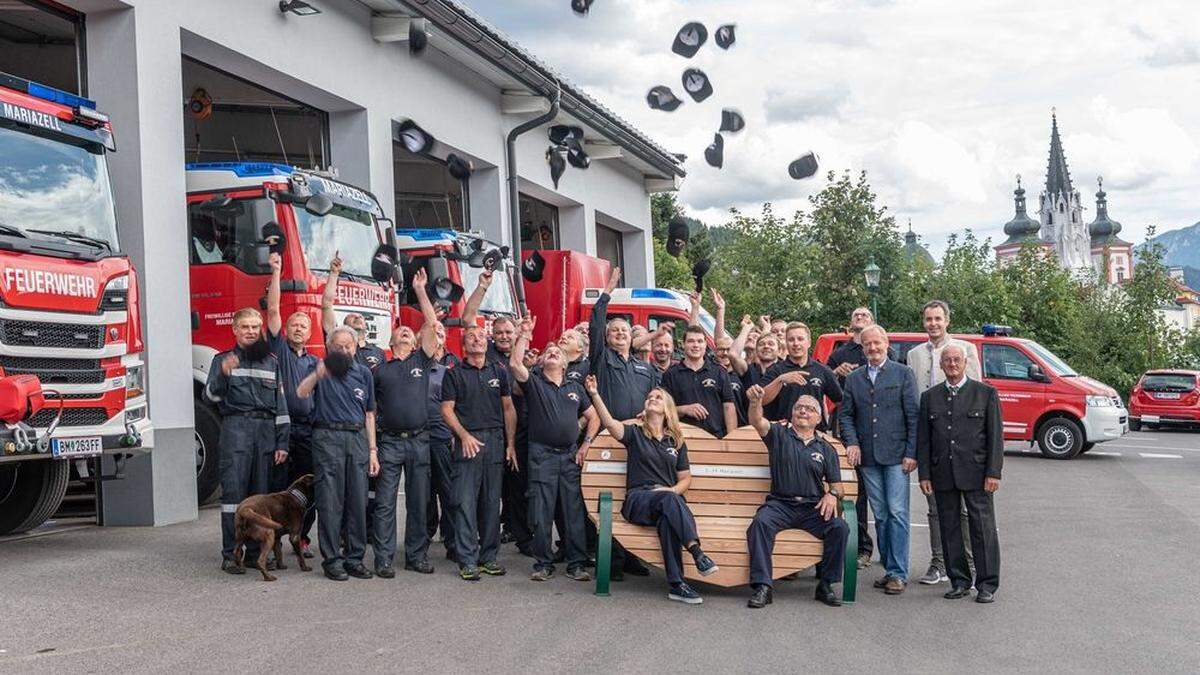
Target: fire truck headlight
135,381
116,293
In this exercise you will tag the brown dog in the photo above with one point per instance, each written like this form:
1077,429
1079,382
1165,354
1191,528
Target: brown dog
266,518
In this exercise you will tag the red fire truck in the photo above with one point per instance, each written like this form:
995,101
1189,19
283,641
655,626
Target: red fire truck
229,204
69,311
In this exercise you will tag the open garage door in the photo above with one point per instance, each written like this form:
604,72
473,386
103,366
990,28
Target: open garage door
42,42
427,196
230,119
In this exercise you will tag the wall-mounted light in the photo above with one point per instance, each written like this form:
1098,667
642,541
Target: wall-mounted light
297,7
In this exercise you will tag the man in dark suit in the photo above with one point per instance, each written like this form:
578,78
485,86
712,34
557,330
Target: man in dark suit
878,419
960,452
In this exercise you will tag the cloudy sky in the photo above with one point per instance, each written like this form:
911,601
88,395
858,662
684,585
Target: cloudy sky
942,102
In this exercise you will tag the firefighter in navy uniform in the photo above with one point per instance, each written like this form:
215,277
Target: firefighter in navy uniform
245,384
440,446
806,478
344,453
401,390
288,343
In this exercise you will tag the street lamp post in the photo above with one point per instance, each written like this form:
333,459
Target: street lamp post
871,275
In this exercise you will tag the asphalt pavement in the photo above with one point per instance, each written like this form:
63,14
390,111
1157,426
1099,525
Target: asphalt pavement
1097,557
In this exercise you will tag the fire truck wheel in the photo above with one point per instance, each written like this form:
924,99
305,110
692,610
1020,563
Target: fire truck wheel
1060,438
208,452
30,492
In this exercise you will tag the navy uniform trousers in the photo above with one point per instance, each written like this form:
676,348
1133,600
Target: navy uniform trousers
668,512
477,485
441,491
407,455
247,457
300,462
777,515
553,485
341,460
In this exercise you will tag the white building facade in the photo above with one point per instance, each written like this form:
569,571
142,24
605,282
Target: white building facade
329,89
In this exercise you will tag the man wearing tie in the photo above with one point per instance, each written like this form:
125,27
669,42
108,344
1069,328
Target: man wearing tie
960,453
878,419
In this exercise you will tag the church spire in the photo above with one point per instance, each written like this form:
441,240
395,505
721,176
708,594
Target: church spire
1058,178
1021,228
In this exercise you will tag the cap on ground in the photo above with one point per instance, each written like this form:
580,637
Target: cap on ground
533,267
662,98
460,168
581,7
732,121
417,37
678,234
697,84
803,167
715,153
558,163
415,139
689,39
725,36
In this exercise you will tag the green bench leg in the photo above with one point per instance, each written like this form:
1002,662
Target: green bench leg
604,545
850,572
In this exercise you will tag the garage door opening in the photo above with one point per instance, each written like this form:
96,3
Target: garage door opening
230,119
42,43
427,196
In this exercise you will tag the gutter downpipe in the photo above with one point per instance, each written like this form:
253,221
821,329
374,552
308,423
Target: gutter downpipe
514,205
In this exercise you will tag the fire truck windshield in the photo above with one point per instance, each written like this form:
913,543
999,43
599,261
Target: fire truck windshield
499,298
348,232
55,185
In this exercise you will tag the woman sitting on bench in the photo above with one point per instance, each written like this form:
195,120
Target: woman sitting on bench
657,475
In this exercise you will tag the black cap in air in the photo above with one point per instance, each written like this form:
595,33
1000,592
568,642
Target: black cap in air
460,168
804,166
533,267
732,121
662,98
725,36
715,153
415,139
689,39
697,84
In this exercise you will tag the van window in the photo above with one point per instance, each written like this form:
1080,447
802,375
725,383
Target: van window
1005,362
231,234
903,348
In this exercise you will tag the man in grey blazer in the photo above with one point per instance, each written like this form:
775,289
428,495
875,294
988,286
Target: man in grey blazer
925,360
960,454
878,419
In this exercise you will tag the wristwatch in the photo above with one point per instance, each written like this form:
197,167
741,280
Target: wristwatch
588,439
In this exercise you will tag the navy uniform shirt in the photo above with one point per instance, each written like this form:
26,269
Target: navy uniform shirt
344,400
293,368
400,384
798,469
652,462
708,386
554,410
739,397
495,355
623,383
477,393
579,369
251,387
437,374
370,356
821,383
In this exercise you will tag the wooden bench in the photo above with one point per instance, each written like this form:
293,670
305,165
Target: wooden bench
730,480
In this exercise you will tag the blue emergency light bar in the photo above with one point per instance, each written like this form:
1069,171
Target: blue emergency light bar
420,234
995,330
244,169
57,96
651,293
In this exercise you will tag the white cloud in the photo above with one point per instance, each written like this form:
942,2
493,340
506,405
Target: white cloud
942,102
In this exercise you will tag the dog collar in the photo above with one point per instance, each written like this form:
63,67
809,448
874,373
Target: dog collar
299,497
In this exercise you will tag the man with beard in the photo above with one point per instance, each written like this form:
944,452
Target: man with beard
401,387
289,344
365,353
344,453
477,406
244,384
556,404
623,382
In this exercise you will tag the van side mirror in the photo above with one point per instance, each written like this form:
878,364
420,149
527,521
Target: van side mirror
318,205
1036,374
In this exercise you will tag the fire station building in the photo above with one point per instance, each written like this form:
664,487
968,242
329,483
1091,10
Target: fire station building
322,84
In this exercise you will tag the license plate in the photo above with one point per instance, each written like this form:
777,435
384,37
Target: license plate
1167,395
88,446
1149,418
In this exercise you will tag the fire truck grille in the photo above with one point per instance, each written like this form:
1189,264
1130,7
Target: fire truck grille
51,335
71,417
54,371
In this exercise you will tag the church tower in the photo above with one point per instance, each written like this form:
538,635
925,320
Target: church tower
1112,256
1061,212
